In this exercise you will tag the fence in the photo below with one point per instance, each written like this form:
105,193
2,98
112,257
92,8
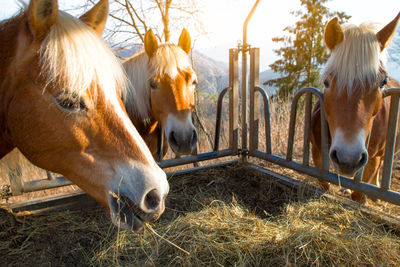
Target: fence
241,150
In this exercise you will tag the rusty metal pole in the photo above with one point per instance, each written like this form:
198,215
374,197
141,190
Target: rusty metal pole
254,115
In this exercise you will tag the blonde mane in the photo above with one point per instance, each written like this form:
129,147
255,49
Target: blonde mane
357,60
75,58
167,60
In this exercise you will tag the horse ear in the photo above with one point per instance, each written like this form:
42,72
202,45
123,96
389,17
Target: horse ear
184,41
42,14
333,33
96,17
385,35
150,43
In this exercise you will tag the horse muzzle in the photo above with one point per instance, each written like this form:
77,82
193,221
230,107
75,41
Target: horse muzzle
137,196
348,163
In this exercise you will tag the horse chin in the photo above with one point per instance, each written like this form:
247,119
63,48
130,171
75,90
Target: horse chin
179,153
346,170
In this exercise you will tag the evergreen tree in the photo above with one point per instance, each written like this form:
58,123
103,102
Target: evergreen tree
303,52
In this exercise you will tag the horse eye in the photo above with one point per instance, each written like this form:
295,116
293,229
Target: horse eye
383,82
71,103
326,83
153,84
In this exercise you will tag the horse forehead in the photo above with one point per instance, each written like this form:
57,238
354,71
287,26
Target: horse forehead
179,83
350,114
176,93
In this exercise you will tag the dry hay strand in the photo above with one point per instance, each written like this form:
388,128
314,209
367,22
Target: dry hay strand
230,216
313,233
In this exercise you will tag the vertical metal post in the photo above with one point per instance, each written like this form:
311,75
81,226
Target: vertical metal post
254,97
244,97
233,100
307,130
267,117
324,138
244,49
16,182
292,126
390,142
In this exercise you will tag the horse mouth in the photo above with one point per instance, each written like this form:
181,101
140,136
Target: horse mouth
126,214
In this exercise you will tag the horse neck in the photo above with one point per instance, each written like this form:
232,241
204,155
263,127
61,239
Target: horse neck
8,41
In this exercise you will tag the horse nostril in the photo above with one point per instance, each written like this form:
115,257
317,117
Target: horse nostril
152,200
334,157
363,159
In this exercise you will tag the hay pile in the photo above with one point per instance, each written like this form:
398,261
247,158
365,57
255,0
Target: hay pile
271,226
312,233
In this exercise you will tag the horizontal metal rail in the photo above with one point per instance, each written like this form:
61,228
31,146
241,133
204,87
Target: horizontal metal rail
371,190
355,184
36,185
196,158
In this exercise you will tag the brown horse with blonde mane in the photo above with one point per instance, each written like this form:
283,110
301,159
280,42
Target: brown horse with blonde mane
60,105
354,106
161,97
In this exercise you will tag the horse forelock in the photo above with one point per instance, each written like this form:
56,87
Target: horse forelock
75,58
169,59
356,62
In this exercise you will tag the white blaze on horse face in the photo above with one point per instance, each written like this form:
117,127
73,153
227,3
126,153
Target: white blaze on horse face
136,180
347,156
112,98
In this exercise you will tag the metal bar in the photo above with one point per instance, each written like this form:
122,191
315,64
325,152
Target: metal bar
307,130
201,168
218,117
324,136
80,200
389,221
389,196
292,126
267,118
233,100
254,98
43,184
16,182
390,138
196,158
293,112
244,76
50,175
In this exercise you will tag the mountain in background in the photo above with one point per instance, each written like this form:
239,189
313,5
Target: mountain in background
212,75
